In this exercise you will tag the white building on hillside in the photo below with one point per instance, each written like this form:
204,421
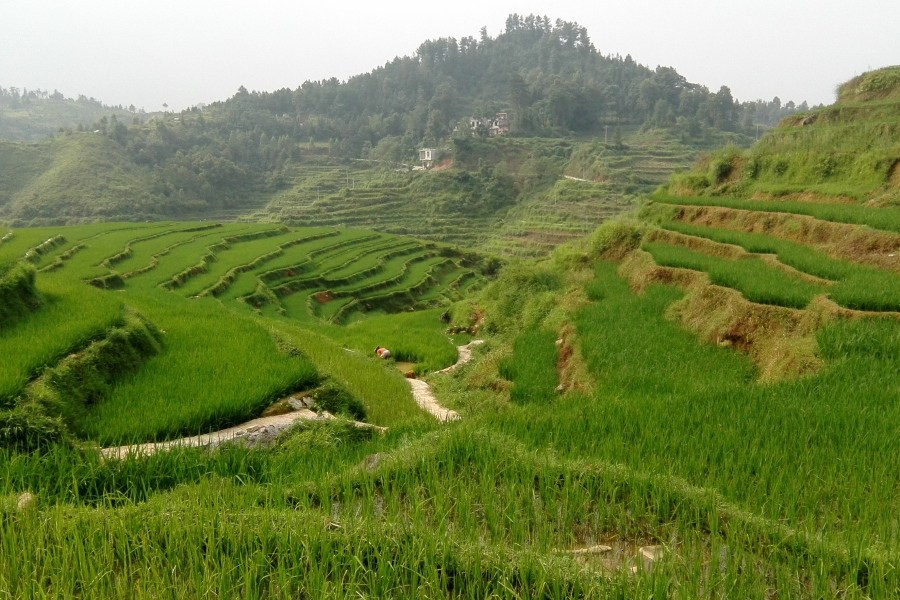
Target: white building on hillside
499,125
428,156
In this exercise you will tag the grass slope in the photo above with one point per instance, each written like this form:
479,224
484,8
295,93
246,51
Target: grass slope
846,152
594,413
221,362
63,187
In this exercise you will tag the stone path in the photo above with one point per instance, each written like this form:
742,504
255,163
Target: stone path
422,391
264,430
465,355
251,434
427,402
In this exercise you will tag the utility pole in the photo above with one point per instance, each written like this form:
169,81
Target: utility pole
605,134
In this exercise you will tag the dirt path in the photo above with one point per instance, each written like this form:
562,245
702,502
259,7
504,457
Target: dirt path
251,434
422,391
465,355
427,402
264,430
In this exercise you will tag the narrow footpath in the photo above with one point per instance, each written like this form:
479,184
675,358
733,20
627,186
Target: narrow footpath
257,432
264,430
422,391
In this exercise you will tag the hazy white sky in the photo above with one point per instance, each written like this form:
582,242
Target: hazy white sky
190,51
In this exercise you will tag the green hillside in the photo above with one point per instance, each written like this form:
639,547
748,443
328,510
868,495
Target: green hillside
846,153
33,115
327,153
57,181
697,399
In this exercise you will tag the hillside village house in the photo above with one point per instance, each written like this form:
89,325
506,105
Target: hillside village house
499,125
428,156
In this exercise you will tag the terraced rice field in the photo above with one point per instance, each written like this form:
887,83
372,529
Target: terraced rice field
206,287
833,254
258,264
367,197
371,196
611,183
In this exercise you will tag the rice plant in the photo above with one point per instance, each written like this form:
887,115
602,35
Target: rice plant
858,287
217,369
532,367
72,315
886,219
757,281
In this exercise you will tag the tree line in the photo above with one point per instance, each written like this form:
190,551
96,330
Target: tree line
547,74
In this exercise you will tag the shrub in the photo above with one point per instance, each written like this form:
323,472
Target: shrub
18,294
320,435
825,167
335,399
753,167
26,429
720,168
520,286
571,255
690,181
614,239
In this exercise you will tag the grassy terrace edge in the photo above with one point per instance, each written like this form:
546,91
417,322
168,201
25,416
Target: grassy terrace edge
885,219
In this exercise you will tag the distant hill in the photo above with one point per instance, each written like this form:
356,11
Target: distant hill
620,126
32,115
72,179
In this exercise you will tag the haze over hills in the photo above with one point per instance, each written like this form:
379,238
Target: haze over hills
697,400
264,153
32,115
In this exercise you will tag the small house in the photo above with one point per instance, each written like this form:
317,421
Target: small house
498,125
428,156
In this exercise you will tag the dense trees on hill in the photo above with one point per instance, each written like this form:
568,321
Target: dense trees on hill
13,97
31,115
548,75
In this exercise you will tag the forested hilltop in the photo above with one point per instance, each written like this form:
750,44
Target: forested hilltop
31,115
266,149
549,75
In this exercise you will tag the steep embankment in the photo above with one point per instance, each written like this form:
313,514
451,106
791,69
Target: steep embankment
773,243
18,294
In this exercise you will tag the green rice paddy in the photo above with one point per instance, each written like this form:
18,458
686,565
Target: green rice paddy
222,363
605,449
